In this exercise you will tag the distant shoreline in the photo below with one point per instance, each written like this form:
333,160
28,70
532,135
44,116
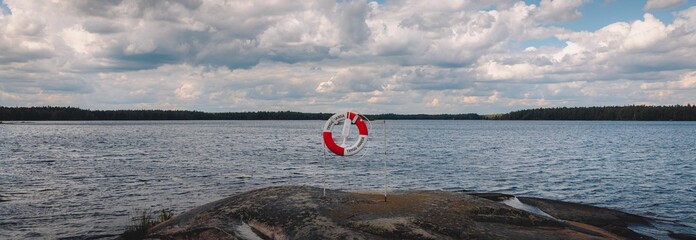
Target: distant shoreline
607,113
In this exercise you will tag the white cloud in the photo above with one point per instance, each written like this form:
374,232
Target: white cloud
187,91
496,71
325,87
559,10
645,34
399,56
79,40
686,81
662,4
434,103
23,38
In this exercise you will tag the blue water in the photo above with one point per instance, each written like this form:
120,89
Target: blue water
78,179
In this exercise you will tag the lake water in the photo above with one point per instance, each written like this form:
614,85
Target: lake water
81,179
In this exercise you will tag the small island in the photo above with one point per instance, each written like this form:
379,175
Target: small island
302,212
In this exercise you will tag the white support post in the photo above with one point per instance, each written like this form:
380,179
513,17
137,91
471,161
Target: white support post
323,166
385,161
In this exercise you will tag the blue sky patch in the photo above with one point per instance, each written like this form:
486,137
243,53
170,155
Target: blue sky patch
600,13
4,8
78,53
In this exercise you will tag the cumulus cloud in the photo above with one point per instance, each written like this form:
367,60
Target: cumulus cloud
396,56
686,81
23,38
559,10
662,4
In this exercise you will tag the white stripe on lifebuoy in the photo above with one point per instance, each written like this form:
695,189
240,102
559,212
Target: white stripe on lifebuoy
328,134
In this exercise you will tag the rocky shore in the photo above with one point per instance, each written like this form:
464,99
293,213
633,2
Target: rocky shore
300,212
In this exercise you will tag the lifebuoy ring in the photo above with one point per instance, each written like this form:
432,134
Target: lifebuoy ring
355,147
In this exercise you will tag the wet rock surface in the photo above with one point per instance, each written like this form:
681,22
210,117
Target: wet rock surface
613,221
299,212
682,236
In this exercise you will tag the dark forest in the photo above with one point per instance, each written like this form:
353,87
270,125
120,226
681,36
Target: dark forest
610,113
77,114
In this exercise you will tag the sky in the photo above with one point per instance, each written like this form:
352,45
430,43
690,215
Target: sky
391,56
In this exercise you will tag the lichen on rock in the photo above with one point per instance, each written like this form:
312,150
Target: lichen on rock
301,212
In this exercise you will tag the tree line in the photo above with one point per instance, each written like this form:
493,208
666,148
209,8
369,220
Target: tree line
618,113
76,114
613,113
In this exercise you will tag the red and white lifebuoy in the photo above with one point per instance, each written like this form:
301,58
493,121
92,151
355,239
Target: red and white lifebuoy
335,120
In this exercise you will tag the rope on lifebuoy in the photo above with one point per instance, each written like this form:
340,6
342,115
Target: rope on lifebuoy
335,120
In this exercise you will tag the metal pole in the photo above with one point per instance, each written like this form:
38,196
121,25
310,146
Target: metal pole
324,168
385,161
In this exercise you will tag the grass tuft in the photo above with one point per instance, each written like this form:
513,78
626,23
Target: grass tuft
143,221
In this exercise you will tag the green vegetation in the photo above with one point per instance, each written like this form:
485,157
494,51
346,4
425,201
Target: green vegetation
615,113
620,113
392,116
76,114
143,222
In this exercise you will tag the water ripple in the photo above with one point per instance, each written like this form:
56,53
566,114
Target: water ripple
68,179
